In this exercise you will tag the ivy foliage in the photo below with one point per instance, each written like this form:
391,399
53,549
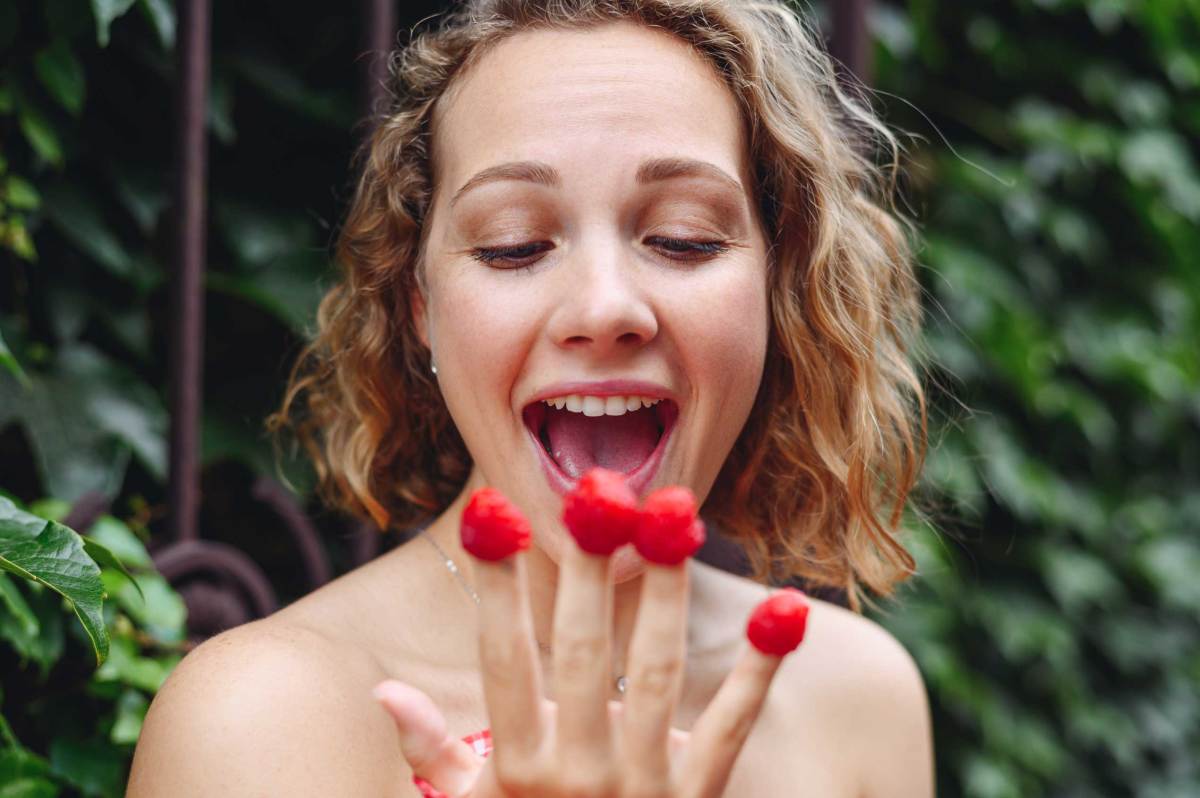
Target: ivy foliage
65,724
1057,614
1054,175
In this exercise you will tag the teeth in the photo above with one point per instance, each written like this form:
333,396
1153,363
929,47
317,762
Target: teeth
600,405
614,406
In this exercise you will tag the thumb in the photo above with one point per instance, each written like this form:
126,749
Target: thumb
448,764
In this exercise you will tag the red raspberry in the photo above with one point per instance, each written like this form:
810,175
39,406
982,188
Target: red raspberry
669,531
492,526
777,625
601,513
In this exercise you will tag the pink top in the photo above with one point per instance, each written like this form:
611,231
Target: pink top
480,742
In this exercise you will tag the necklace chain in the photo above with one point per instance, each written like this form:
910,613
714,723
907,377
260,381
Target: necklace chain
619,683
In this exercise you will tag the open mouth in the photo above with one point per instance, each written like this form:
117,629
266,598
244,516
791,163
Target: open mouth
571,441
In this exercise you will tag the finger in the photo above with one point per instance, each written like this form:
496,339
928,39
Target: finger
494,531
581,654
677,739
447,763
719,734
509,661
655,676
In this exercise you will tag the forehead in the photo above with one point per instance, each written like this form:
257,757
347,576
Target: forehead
608,95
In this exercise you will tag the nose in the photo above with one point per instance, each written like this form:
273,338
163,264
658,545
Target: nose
602,306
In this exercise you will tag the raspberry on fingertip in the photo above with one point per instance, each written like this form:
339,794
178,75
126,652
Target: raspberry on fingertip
492,526
601,513
777,625
668,531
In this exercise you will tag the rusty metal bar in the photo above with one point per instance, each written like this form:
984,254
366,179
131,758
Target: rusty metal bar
299,526
192,559
187,288
86,511
380,39
850,42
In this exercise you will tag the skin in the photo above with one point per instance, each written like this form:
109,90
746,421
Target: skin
284,706
605,301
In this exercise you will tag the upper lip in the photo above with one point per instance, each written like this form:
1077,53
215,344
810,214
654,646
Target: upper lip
617,387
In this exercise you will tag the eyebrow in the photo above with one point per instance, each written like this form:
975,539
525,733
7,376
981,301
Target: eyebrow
653,170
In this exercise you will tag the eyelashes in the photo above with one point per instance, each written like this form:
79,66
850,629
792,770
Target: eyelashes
524,255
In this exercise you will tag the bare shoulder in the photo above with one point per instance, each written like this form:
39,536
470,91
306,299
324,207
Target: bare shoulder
267,708
872,699
851,691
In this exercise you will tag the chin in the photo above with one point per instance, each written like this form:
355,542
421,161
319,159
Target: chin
626,563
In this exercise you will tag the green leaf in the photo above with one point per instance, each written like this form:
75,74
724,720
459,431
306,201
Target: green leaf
10,362
24,773
78,217
131,713
95,767
61,73
106,559
142,191
126,666
56,559
14,236
11,597
120,540
46,646
106,12
162,16
154,606
19,193
29,788
280,82
39,134
85,416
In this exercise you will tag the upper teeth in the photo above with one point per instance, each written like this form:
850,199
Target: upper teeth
600,405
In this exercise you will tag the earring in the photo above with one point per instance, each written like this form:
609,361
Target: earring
433,368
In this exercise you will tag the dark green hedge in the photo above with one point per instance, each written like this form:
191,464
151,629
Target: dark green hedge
1052,167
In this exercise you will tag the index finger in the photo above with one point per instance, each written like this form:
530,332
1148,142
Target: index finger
777,626
494,532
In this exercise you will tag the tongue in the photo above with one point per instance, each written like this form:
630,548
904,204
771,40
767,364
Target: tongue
619,443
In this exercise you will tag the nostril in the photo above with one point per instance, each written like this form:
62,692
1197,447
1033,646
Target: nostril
630,338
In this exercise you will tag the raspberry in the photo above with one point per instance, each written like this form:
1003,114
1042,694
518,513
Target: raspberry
777,625
669,531
492,526
601,513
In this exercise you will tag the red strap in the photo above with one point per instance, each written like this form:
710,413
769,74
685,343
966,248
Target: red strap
480,742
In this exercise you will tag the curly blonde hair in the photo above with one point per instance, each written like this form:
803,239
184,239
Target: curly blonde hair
815,485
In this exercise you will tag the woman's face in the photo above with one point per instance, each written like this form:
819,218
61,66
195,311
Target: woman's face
594,234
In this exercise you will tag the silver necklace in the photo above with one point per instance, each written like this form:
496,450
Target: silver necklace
619,683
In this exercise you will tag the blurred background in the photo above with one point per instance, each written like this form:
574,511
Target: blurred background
1051,164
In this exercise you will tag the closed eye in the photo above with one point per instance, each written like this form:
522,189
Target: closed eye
673,248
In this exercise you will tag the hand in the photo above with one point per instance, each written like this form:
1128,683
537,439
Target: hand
583,744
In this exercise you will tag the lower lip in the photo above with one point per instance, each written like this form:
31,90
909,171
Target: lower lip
638,479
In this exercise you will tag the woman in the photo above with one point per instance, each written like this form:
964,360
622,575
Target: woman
639,235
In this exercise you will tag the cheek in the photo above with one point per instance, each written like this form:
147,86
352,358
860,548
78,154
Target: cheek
481,334
728,332
722,339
